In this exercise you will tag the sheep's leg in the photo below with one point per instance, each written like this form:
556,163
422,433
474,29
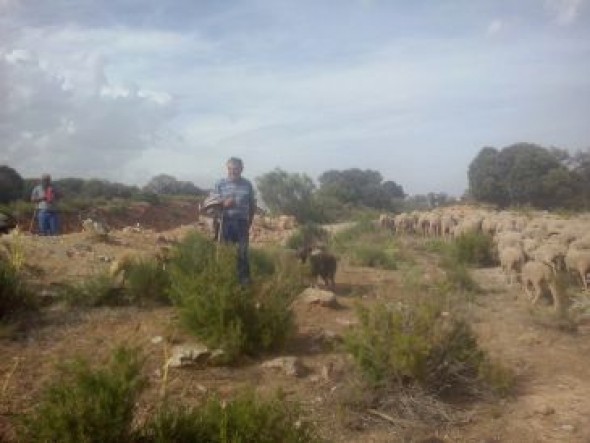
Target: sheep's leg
583,274
556,297
538,291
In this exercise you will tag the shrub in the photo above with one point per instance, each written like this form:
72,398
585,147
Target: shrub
457,277
356,233
262,262
473,249
147,282
373,257
89,405
222,313
243,419
308,234
15,297
417,345
97,290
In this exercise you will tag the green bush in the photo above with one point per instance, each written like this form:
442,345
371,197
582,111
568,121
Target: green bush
416,343
217,309
15,297
457,277
308,234
373,257
95,291
88,405
360,232
262,262
473,249
147,282
243,419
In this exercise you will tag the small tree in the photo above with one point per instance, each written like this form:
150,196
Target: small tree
11,184
288,193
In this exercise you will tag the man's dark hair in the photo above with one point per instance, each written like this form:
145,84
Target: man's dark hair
236,161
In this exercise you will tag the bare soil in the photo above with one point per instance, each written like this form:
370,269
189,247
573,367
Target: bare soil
551,402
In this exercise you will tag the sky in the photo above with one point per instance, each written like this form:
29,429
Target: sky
125,90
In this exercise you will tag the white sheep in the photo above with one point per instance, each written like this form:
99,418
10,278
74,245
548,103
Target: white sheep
578,260
511,261
538,277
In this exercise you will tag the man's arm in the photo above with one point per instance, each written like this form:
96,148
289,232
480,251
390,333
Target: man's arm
252,206
37,196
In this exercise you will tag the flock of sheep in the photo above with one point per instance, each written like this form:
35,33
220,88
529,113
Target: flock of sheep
533,249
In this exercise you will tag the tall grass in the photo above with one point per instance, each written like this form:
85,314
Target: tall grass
15,297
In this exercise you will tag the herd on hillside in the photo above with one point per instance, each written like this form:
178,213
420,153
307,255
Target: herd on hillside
532,249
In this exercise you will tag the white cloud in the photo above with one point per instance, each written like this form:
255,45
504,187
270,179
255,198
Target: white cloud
564,12
495,27
46,126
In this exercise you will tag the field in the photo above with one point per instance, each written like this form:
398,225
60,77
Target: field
548,402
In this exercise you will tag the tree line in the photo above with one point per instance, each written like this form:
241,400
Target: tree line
522,174
526,174
13,187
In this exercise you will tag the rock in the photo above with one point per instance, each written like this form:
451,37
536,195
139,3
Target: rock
289,365
157,339
217,358
313,296
188,355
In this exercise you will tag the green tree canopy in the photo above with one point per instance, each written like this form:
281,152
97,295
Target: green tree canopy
523,174
167,184
360,188
288,193
11,184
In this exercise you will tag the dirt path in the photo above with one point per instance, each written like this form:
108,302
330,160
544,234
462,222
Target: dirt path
552,401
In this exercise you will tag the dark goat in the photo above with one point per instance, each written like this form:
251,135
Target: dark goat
322,264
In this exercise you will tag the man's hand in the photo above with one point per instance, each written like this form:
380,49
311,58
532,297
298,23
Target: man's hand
229,202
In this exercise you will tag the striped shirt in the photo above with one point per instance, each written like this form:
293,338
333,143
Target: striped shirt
242,192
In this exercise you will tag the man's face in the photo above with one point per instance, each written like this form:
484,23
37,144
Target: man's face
233,171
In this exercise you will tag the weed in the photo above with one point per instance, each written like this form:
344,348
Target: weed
97,290
221,312
243,419
373,257
307,234
473,249
147,282
89,405
418,344
15,297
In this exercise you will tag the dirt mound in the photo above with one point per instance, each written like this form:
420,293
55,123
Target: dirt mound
159,217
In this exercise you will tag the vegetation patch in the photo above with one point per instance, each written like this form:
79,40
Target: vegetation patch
147,282
308,234
94,291
363,244
473,249
420,344
15,297
98,405
88,405
243,419
221,312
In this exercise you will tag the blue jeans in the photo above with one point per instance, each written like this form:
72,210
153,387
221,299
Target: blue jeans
48,222
236,231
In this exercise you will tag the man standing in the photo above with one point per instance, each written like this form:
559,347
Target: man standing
238,207
44,195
